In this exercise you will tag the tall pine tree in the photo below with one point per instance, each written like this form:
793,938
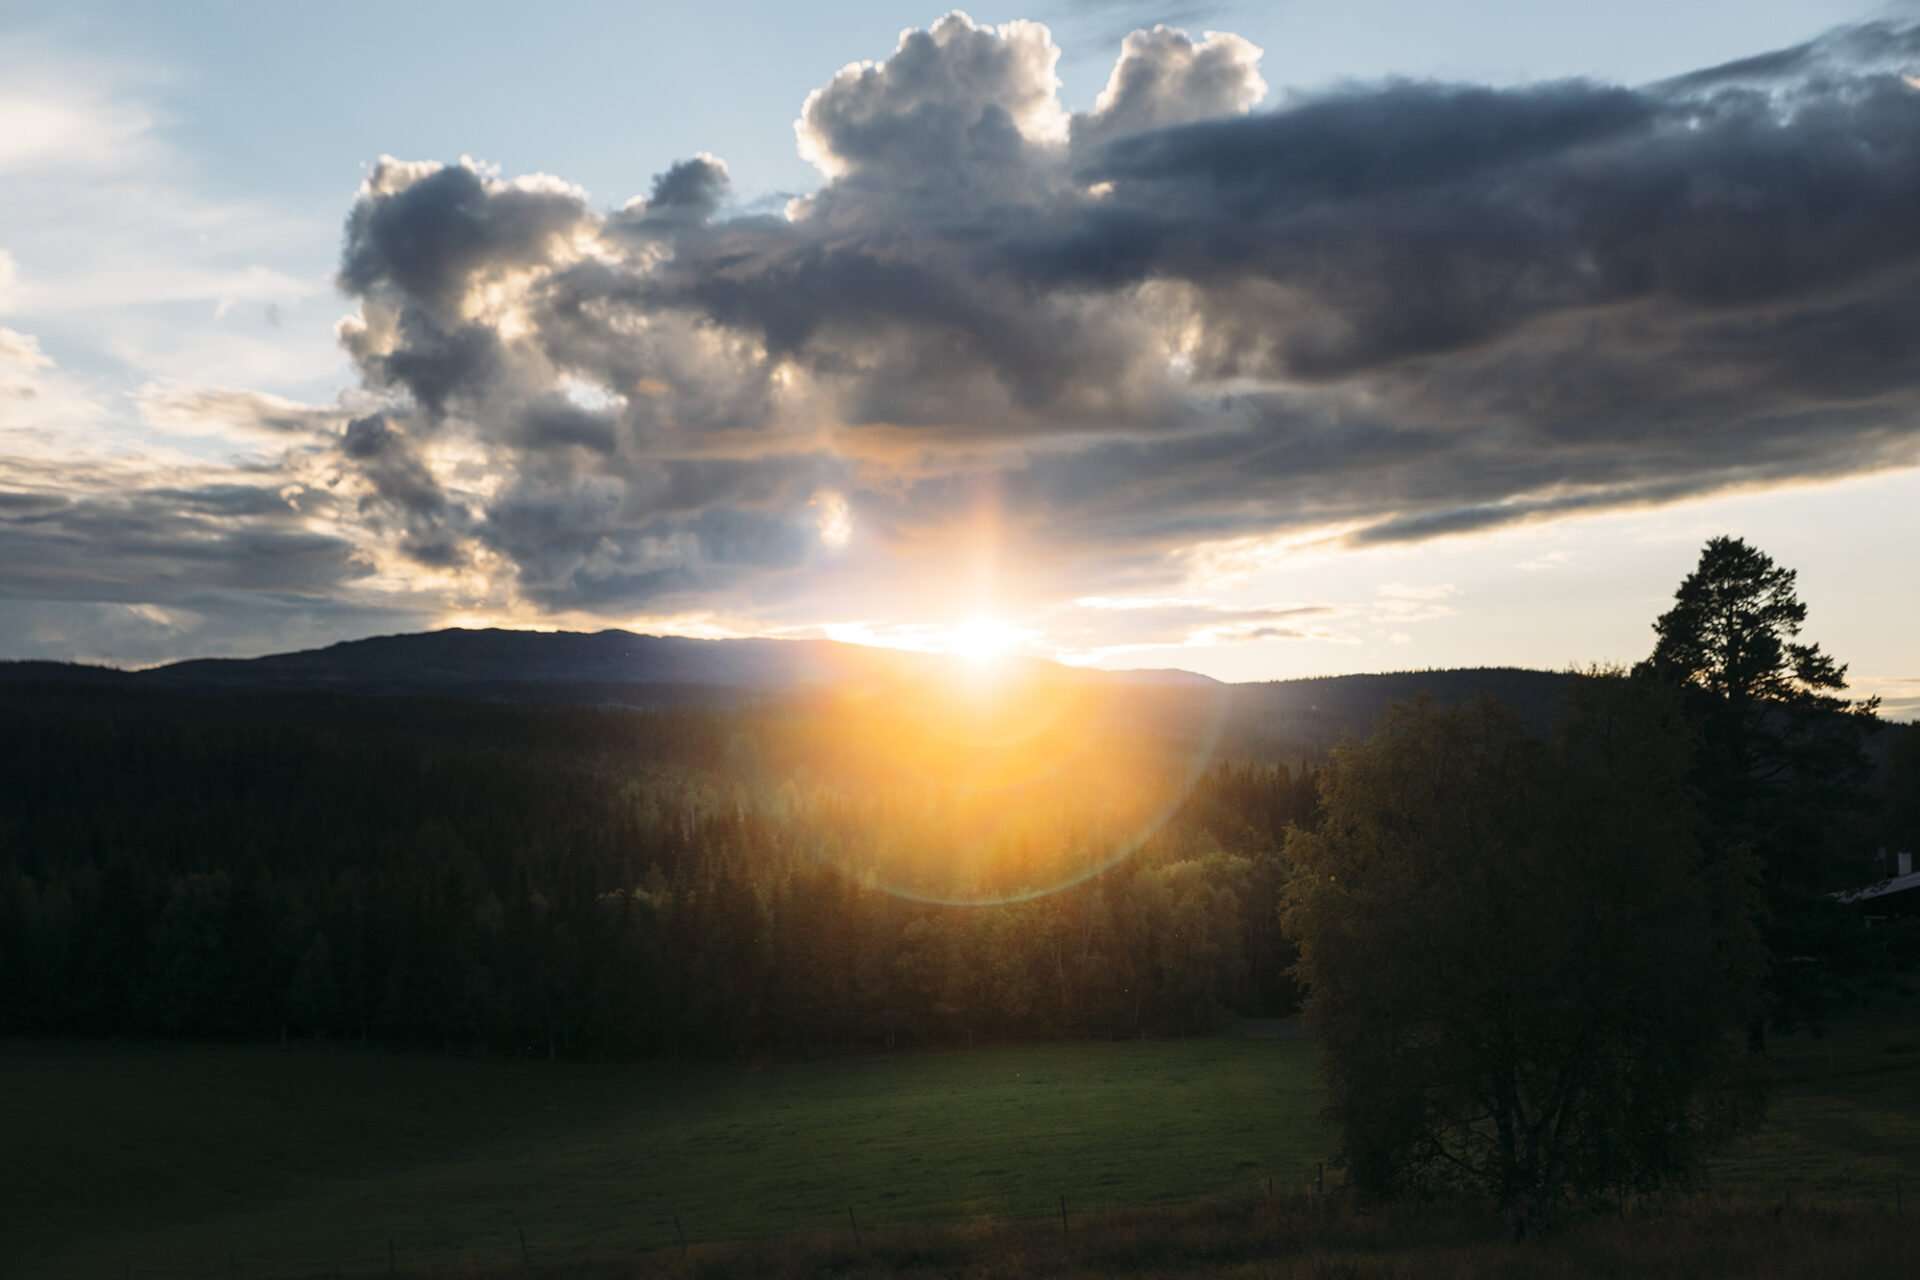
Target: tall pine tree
1781,767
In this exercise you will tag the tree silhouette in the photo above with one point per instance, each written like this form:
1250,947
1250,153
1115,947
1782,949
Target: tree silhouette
1523,974
1731,632
1781,766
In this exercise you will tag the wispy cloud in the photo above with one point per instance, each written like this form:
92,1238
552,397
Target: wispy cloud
1899,695
108,227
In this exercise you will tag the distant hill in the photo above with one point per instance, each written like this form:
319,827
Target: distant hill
1317,713
625,669
66,673
1276,719
451,660
553,666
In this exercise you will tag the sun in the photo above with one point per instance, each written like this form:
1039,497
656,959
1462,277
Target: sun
981,641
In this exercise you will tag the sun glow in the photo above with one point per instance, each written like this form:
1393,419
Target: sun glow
834,519
982,641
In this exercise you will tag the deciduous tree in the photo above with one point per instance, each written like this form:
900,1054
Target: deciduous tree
1523,972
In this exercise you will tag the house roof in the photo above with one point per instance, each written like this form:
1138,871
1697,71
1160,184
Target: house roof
1881,888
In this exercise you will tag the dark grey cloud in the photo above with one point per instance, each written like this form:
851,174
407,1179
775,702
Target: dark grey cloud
558,423
1364,143
134,562
659,535
403,495
205,624
427,232
227,501
687,194
1408,308
163,545
436,365
1884,47
1415,220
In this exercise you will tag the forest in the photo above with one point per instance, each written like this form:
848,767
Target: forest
875,864
583,881
614,882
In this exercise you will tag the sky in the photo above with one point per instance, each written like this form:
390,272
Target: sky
1259,340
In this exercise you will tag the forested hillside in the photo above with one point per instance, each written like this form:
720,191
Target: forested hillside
600,881
1272,720
868,863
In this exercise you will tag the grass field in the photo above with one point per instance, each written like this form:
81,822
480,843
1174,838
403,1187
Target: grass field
179,1159
1845,1119
254,1161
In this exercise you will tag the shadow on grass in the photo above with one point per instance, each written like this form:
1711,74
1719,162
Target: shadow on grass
1313,1240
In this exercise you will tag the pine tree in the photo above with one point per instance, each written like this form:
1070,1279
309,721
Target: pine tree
1781,766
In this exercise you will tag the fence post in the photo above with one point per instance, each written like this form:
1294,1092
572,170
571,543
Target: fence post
390,1262
1063,1217
1320,1179
855,1224
526,1259
682,1233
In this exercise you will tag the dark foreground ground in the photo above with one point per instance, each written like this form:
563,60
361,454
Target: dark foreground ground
1177,1158
1310,1240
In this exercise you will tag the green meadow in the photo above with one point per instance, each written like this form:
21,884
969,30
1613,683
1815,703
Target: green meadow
175,1160
198,1160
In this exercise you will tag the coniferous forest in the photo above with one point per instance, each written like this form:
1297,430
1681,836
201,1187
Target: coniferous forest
807,873
787,877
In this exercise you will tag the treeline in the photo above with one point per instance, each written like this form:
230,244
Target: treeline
882,863
598,882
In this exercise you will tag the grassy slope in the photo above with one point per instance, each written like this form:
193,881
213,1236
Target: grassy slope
177,1158
1845,1120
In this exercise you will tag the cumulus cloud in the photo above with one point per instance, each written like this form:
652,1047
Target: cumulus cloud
958,108
1384,313
687,194
1166,77
1405,309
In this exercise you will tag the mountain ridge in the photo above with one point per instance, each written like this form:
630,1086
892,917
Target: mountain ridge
628,669
431,657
